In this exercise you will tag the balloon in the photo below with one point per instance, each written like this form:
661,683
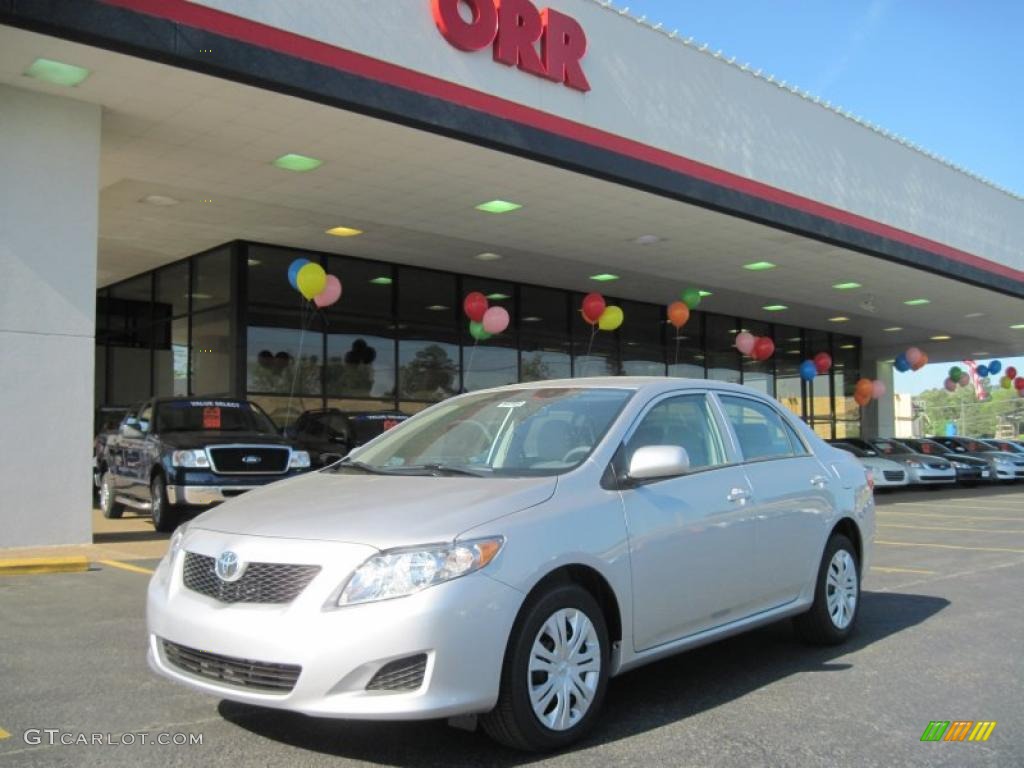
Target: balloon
1006,382
691,297
965,379
878,389
610,319
1011,372
864,387
901,363
983,370
949,384
995,367
922,361
474,305
330,294
476,330
745,342
281,361
593,307
913,354
678,314
808,370
822,362
955,372
1018,383
293,271
311,279
861,399
265,359
496,320
763,348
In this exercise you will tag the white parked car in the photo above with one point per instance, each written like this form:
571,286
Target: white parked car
504,553
885,473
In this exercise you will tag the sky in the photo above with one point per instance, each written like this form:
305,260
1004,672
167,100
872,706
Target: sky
944,74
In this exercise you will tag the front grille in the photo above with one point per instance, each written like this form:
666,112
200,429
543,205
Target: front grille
260,582
249,460
401,675
939,465
238,673
893,475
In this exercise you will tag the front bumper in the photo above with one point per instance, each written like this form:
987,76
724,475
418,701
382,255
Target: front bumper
931,476
462,626
203,487
204,495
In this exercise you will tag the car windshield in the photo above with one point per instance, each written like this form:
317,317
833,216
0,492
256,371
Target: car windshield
929,447
212,416
518,432
976,446
890,447
856,450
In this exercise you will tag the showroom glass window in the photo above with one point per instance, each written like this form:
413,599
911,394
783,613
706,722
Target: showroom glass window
723,359
545,346
789,353
171,329
759,374
495,361
819,391
595,352
846,371
428,338
641,339
684,349
129,314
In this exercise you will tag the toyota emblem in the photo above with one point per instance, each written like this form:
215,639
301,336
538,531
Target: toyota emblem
228,567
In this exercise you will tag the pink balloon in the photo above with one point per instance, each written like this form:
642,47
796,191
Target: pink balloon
949,384
965,379
330,294
877,389
496,320
913,355
745,342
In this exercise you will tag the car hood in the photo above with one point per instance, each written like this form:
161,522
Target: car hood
880,464
921,458
377,510
202,438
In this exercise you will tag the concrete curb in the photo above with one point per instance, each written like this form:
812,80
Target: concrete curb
32,565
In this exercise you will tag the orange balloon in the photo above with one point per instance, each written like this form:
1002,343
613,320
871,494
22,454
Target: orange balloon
861,399
678,314
864,388
921,363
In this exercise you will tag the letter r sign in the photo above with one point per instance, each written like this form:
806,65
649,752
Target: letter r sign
515,28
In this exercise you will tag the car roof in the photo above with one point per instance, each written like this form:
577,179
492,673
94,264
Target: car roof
651,384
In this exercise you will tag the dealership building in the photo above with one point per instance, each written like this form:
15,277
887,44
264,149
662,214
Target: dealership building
163,162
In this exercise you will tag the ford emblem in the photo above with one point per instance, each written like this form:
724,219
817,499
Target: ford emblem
251,460
228,567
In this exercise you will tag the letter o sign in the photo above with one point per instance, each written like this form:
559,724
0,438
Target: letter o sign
465,35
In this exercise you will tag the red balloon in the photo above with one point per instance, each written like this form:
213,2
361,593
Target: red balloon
763,348
1018,383
474,305
593,307
1011,372
822,362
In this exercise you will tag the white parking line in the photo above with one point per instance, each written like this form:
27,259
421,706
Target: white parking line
1017,519
885,569
947,528
949,546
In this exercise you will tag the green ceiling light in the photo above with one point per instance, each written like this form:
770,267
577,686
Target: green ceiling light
893,329
382,280
604,277
847,346
498,206
759,266
846,286
57,72
774,307
705,294
1018,327
298,163
917,302
498,296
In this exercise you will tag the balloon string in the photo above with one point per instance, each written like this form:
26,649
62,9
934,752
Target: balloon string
677,348
590,346
469,366
306,317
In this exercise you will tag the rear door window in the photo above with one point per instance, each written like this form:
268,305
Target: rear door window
760,430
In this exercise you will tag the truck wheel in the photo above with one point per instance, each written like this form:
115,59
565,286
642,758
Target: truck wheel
165,517
109,506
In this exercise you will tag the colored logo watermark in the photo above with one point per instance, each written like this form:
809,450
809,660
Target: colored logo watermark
958,730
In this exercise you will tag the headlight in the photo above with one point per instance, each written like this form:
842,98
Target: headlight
961,465
913,463
176,538
299,460
191,458
401,572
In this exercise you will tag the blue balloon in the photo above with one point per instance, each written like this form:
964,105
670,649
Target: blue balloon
807,370
983,370
994,367
901,364
293,271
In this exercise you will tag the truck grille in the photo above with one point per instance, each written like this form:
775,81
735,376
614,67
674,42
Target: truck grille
238,673
894,475
400,675
249,460
260,583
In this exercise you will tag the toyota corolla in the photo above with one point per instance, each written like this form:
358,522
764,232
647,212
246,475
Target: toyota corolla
499,556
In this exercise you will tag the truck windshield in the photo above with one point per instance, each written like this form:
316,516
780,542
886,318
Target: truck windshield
211,416
516,432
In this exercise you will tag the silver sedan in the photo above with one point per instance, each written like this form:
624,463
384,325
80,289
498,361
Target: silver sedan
499,556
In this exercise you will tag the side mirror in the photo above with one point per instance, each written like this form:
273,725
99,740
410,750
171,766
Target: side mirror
656,462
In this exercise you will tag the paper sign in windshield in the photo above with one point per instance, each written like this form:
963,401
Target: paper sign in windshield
211,418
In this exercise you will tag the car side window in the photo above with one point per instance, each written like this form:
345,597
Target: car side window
760,431
683,421
145,419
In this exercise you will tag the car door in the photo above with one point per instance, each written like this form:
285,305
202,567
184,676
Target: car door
691,537
792,497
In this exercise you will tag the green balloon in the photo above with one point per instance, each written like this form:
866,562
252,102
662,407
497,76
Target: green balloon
955,373
691,298
476,330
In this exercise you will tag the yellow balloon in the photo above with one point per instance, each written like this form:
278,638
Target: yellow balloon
311,279
610,319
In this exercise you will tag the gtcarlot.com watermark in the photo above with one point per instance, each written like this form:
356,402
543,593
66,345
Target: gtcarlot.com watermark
56,737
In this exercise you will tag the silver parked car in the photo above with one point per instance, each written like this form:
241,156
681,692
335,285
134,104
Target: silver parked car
504,553
885,473
921,468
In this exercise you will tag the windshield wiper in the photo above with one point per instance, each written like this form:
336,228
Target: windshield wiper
447,469
362,466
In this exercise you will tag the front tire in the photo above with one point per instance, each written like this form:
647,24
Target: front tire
555,673
165,517
833,613
109,505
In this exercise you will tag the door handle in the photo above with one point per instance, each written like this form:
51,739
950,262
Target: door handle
738,494
818,481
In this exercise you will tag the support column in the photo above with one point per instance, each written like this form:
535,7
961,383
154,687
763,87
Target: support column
880,415
49,207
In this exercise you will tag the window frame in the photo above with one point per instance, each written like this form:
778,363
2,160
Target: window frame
800,450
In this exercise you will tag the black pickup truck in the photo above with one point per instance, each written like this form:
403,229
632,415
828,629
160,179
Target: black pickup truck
329,434
177,453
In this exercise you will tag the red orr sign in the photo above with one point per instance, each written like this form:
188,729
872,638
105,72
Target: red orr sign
514,28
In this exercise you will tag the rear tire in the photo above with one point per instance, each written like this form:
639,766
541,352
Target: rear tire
109,506
558,656
165,517
833,613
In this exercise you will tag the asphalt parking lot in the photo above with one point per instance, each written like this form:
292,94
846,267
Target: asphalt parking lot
940,638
